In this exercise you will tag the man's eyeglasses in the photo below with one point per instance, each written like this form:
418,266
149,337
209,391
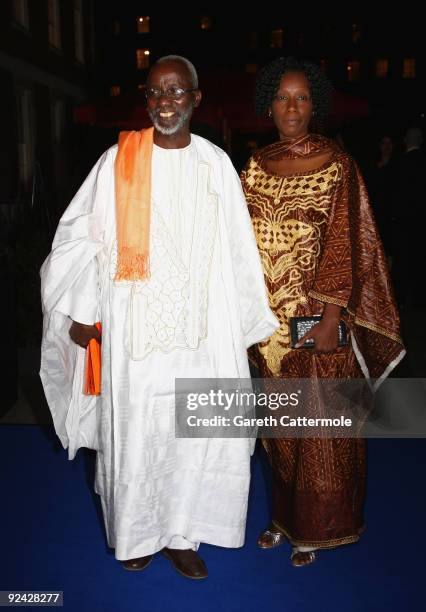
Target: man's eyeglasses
174,93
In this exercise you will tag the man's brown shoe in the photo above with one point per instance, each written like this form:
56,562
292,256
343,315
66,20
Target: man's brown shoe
186,562
135,565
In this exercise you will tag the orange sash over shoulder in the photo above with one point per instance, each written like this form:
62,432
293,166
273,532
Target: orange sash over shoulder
133,203
133,217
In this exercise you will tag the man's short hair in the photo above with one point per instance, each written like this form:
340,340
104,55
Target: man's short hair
183,60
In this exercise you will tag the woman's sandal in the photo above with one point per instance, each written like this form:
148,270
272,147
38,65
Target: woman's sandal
300,558
271,537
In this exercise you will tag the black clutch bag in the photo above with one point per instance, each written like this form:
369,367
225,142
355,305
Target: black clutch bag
299,326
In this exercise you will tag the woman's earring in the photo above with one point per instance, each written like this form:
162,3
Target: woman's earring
269,113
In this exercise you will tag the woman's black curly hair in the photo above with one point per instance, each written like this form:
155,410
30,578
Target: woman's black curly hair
268,82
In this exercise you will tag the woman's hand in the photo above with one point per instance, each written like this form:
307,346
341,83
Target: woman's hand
81,334
325,333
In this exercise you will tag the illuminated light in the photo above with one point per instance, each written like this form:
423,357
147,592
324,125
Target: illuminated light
276,40
142,58
142,24
353,67
382,67
409,68
206,23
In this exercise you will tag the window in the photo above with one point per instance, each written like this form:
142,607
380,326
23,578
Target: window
142,58
25,136
20,13
356,33
276,39
251,68
116,27
54,19
114,91
409,68
206,22
382,67
78,31
142,24
353,69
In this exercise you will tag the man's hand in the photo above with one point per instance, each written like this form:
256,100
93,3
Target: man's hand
81,334
326,332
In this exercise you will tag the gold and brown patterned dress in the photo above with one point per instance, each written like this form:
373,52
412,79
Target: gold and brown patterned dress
318,243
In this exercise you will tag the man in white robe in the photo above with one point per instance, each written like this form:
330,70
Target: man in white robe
203,304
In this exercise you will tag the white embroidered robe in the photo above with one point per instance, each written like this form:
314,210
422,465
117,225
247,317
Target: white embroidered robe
204,304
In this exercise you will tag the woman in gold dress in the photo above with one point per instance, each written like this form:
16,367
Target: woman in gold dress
322,256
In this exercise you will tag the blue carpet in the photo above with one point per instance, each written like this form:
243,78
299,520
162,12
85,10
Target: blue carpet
52,538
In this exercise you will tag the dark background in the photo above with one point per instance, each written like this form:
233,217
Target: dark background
70,81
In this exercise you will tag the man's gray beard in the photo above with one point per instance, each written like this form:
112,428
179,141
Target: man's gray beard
169,131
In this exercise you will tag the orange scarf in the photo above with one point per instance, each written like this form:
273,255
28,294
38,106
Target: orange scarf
92,380
133,215
133,203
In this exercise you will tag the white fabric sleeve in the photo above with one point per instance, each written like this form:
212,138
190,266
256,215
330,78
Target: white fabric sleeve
79,238
71,287
80,302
